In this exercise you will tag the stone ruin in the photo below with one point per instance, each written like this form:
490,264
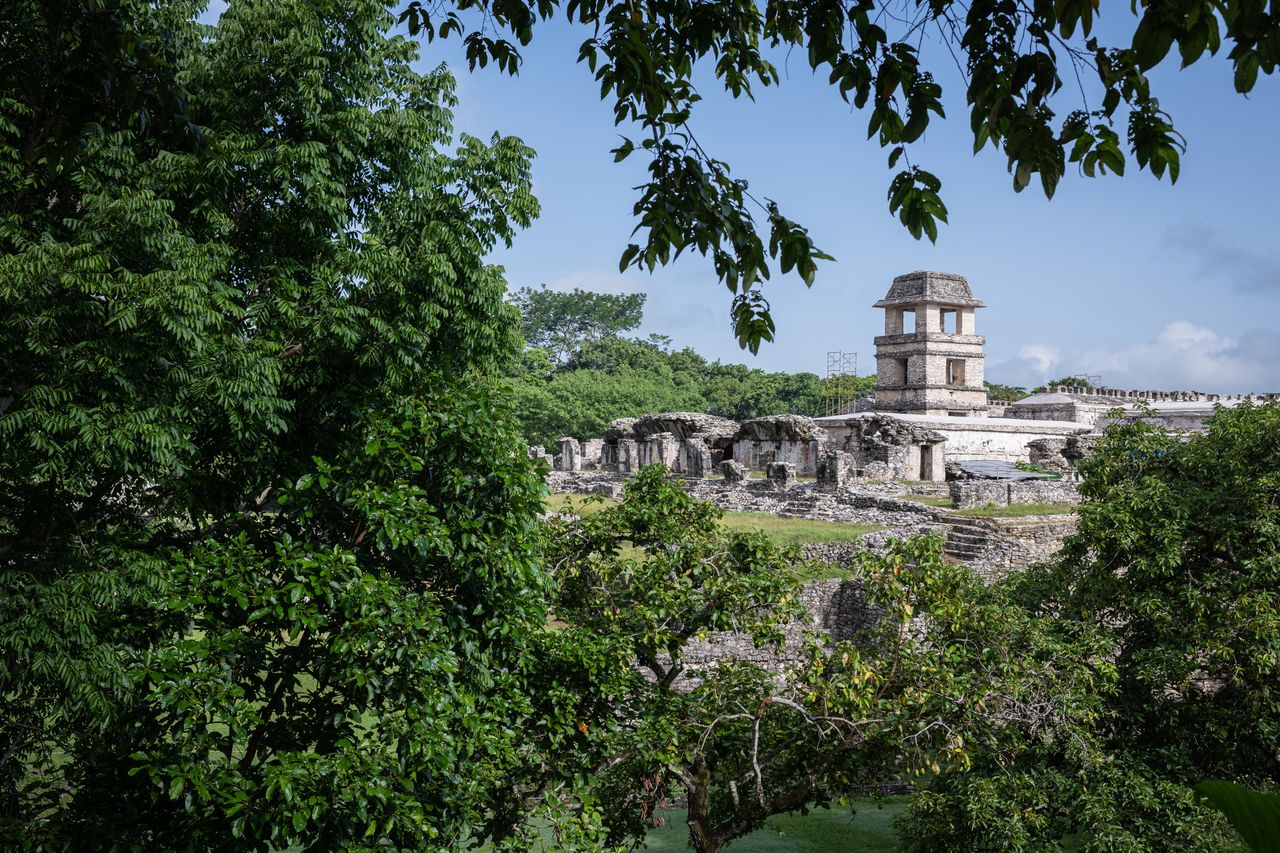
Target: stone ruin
1061,455
791,439
886,448
693,444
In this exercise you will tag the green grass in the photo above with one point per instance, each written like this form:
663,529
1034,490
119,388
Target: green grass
578,504
868,830
796,531
784,531
928,500
1018,510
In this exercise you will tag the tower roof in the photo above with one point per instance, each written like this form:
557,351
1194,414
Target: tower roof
924,286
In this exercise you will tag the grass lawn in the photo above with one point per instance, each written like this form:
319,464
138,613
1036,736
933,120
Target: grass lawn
784,531
796,531
868,830
577,504
928,500
1018,510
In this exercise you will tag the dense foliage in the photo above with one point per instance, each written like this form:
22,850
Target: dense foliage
647,54
268,566
1177,564
584,381
936,671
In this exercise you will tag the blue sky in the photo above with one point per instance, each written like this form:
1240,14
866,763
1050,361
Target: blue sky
1143,283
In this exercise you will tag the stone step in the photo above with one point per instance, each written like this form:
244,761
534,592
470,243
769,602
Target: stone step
962,539
969,527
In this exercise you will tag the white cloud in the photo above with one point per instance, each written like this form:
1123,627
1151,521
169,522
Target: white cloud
1182,356
1042,357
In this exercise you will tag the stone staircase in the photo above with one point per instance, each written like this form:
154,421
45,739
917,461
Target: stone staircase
967,538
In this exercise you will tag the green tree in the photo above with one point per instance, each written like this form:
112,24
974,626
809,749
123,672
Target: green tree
562,321
581,403
1177,563
1067,381
645,54
1005,393
937,670
268,561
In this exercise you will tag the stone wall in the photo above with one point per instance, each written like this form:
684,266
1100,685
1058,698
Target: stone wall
1017,544
837,608
883,447
967,494
792,439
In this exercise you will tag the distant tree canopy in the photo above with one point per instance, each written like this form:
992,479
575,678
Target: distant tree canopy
560,321
590,379
1014,56
998,393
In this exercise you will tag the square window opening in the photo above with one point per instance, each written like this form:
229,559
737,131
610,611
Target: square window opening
949,326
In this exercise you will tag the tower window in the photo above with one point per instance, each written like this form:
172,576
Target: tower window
908,321
955,371
900,370
948,322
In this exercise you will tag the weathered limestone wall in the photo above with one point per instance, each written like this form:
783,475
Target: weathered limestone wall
1020,543
967,494
887,447
837,608
759,454
792,439
1007,442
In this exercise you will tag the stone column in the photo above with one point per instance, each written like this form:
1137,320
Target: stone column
627,456
570,454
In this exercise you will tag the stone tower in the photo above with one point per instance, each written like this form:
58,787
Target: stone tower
929,361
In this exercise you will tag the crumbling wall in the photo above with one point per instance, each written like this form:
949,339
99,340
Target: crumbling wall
688,443
793,439
887,448
968,494
1061,455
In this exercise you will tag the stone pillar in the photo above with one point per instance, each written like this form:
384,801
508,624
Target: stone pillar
734,472
593,453
570,454
627,456
781,474
697,459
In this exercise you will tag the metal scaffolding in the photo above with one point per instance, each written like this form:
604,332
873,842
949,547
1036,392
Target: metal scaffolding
840,386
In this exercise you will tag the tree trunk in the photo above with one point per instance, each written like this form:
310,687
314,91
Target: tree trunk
701,835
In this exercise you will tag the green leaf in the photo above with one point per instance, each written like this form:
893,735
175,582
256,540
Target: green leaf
1255,816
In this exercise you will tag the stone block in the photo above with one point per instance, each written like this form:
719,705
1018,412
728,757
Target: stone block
834,470
781,474
734,472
